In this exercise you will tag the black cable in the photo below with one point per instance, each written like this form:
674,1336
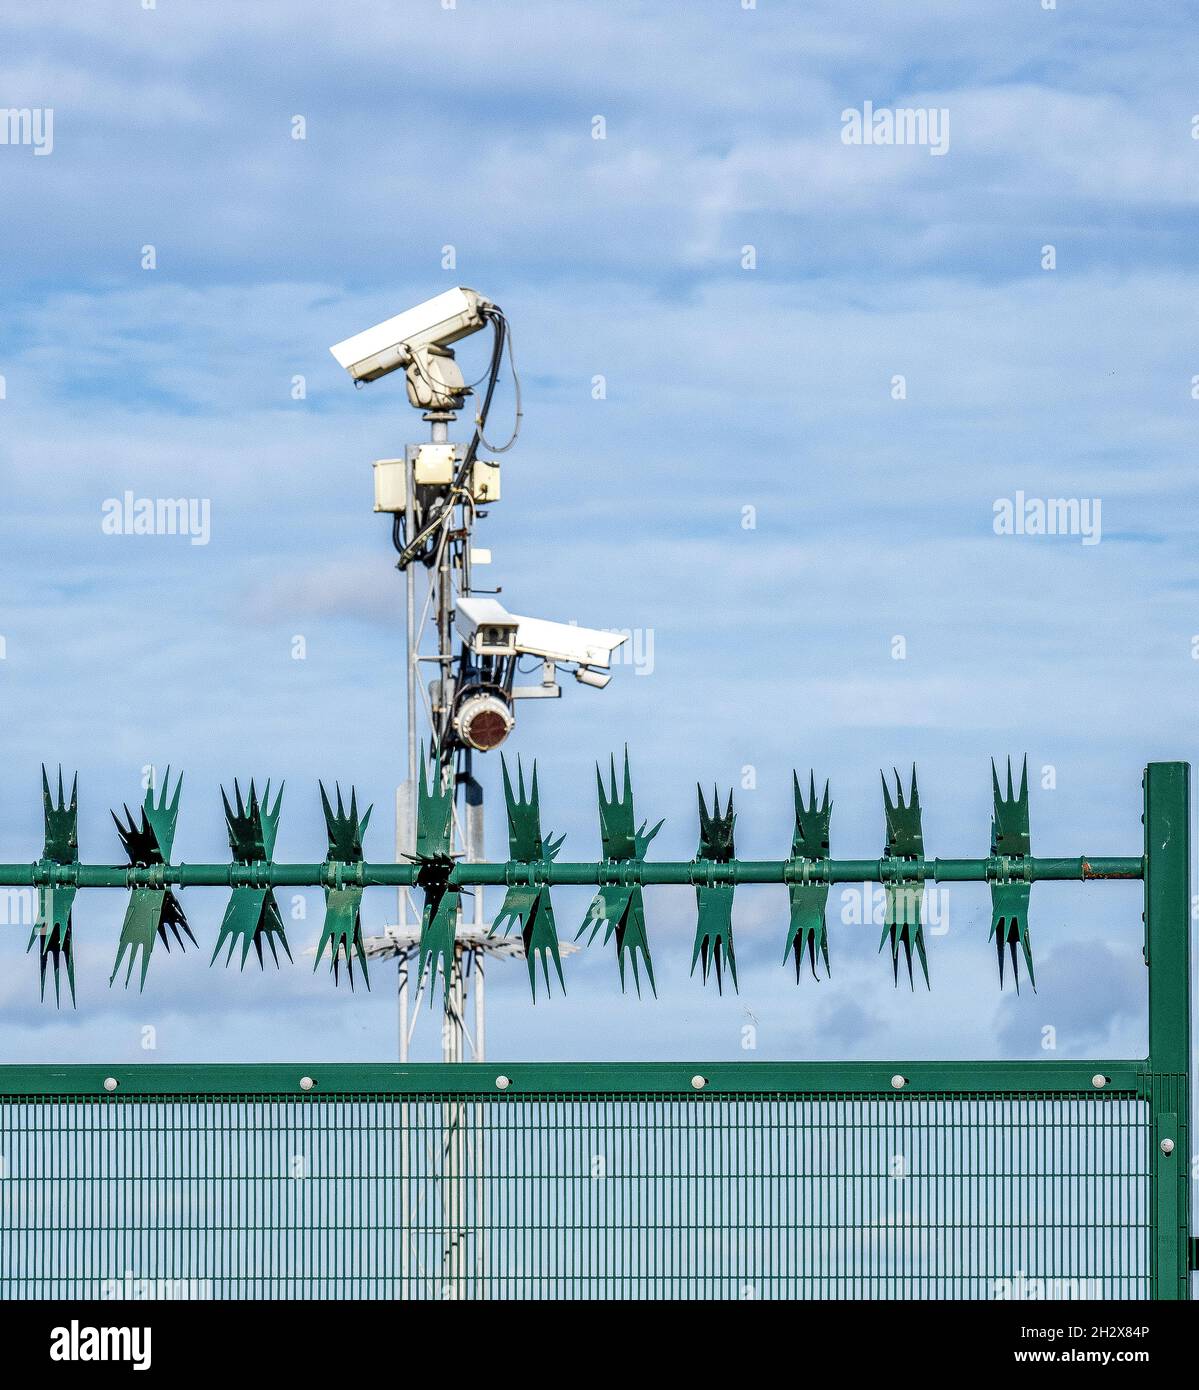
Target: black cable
416,548
500,325
518,412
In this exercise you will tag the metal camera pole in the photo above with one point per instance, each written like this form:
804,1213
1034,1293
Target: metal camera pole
403,945
433,495
460,1040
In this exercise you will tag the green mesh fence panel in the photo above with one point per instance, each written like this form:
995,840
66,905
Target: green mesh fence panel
576,1195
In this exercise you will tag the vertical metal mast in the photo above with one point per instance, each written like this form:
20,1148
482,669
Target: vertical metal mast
434,495
432,605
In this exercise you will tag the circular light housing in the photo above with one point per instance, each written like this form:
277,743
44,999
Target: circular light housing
483,721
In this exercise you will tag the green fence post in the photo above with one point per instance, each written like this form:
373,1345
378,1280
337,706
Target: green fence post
1168,956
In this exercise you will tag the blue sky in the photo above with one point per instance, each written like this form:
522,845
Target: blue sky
727,388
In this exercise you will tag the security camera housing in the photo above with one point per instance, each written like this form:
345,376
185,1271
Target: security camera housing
486,621
395,342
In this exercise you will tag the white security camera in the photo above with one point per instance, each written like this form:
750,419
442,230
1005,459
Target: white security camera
588,646
419,341
488,628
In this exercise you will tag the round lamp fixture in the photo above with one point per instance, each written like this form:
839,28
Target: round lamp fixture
483,721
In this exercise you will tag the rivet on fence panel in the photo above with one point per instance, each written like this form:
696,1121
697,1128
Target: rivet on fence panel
434,860
809,845
528,905
252,915
714,901
903,892
53,927
1011,838
152,912
619,908
342,931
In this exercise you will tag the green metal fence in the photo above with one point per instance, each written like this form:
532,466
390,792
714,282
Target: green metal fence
826,1183
759,1180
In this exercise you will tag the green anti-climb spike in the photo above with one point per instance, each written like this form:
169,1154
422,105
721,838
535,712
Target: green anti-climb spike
714,901
434,829
528,906
163,815
1011,838
342,930
252,915
152,912
905,841
619,909
809,845
53,928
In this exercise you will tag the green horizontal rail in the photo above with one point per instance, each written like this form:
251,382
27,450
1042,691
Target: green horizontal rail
993,868
515,1079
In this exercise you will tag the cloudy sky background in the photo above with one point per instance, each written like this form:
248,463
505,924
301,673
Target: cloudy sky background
726,388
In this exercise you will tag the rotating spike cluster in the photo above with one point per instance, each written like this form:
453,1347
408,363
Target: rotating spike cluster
619,908
528,906
434,860
714,899
252,915
342,932
904,891
1011,838
809,845
52,928
152,912
252,918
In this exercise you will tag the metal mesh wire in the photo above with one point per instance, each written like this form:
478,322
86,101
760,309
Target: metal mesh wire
568,1196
